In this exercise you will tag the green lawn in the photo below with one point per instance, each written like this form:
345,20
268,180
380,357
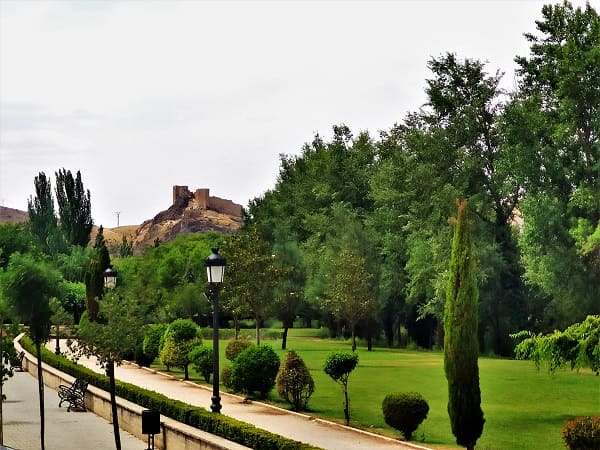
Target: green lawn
524,408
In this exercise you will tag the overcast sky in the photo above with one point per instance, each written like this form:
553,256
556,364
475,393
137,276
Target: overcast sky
143,95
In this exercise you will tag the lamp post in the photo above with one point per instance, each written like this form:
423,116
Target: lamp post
110,282
110,278
215,269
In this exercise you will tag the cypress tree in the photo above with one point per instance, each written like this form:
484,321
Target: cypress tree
460,340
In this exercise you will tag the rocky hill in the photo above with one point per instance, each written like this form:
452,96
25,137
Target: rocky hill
11,215
189,213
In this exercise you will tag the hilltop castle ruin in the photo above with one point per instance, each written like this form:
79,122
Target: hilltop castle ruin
202,200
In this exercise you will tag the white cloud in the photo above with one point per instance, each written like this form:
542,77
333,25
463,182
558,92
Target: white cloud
140,96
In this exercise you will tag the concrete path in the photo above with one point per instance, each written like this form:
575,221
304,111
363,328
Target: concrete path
75,430
327,435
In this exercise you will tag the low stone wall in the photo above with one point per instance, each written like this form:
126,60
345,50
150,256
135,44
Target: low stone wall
174,435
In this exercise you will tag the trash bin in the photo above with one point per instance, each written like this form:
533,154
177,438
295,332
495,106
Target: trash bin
150,421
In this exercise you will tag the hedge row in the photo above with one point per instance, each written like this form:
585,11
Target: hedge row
217,424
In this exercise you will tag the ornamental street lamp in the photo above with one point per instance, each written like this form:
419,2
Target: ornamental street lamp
110,278
110,282
215,269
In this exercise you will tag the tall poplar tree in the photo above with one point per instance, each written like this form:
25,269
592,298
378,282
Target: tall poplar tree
460,341
74,208
42,218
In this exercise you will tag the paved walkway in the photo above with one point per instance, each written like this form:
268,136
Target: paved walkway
327,435
64,430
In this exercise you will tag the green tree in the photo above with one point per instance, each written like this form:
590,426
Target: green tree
339,365
554,126
349,292
14,238
289,293
126,248
73,300
94,277
252,275
460,341
117,333
74,262
181,336
577,346
74,208
453,148
42,218
28,285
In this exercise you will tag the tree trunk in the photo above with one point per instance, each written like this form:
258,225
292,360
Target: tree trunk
185,372
257,330
236,327
40,375
347,407
353,339
57,348
284,338
113,402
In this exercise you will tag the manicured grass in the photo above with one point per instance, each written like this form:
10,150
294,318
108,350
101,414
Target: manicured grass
524,408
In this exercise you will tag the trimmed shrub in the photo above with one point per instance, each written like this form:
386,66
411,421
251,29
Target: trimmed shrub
181,337
582,433
254,370
404,411
338,366
235,347
201,358
226,378
151,343
294,382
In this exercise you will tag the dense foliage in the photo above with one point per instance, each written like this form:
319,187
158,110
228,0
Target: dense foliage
235,347
201,358
526,160
577,346
582,433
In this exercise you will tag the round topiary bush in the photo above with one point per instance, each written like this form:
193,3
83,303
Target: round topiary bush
254,370
201,358
294,382
235,347
151,343
404,411
180,337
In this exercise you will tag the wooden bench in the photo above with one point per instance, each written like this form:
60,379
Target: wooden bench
74,394
19,360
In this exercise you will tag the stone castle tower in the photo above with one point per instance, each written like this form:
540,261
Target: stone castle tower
203,200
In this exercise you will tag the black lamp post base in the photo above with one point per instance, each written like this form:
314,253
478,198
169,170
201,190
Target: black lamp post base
216,404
